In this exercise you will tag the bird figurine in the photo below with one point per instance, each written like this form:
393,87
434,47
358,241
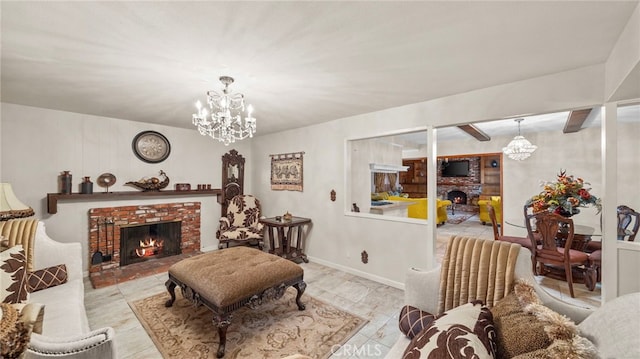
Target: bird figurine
151,184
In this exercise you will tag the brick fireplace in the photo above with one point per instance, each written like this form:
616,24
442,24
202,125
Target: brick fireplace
106,224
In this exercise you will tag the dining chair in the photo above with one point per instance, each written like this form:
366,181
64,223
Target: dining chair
628,225
497,231
548,253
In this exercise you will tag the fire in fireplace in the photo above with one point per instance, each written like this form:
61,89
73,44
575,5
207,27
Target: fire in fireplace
149,247
142,242
457,197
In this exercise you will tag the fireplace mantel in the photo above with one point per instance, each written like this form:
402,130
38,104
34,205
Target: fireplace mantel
53,198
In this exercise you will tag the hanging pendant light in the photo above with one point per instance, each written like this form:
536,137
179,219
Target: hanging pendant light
519,148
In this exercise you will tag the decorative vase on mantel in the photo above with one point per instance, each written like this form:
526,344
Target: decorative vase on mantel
86,187
65,182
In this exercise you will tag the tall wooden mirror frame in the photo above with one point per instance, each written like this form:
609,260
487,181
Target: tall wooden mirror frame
232,178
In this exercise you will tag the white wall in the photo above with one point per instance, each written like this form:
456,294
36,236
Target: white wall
37,144
338,239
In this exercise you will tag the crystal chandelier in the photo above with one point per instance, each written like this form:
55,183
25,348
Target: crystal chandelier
225,122
519,148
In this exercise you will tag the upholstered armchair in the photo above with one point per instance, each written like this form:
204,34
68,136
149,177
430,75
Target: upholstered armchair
474,269
496,203
241,224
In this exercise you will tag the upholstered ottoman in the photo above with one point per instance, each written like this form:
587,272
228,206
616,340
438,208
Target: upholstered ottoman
228,279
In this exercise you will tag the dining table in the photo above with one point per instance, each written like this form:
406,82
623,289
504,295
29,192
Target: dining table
582,235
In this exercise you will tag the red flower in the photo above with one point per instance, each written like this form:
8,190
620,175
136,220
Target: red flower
584,194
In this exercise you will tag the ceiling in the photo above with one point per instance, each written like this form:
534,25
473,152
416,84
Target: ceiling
298,63
550,122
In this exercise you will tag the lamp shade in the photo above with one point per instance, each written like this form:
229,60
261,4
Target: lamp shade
10,206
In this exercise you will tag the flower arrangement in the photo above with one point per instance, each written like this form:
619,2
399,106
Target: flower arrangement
564,196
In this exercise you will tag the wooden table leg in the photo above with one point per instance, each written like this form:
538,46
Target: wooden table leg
300,287
222,321
290,247
171,288
283,242
299,247
272,248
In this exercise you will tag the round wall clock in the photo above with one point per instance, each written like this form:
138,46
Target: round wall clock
151,146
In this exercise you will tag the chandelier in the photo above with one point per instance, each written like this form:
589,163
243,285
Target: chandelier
519,148
225,123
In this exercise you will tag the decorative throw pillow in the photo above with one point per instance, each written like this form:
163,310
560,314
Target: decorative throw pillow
413,320
47,278
14,335
466,331
527,329
13,284
32,315
517,332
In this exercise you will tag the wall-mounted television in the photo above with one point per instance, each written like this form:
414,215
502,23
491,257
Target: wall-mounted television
455,168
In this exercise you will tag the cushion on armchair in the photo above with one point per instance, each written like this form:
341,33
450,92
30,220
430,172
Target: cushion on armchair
413,320
47,278
241,223
466,331
13,274
14,334
527,329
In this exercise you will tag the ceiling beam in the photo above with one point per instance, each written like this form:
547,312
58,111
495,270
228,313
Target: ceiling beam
575,120
475,132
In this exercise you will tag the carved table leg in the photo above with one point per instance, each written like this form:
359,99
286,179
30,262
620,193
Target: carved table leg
590,277
171,288
300,287
222,322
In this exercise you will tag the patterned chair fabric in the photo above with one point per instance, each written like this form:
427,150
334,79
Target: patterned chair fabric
21,231
241,223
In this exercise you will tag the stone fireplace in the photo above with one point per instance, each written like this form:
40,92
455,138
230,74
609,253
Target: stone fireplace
173,227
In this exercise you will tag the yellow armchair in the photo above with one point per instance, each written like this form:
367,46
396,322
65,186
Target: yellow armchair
496,203
419,209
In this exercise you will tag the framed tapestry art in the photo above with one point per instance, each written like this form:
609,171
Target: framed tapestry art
286,172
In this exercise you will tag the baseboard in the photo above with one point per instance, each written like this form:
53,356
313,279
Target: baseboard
362,274
209,248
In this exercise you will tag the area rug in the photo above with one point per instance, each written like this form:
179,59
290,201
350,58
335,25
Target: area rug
459,217
273,330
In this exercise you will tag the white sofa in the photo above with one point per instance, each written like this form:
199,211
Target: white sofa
612,328
65,329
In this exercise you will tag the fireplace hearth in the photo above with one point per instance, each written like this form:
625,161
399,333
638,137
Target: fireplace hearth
155,242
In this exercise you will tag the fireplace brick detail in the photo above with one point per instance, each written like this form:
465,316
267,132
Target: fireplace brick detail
187,212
